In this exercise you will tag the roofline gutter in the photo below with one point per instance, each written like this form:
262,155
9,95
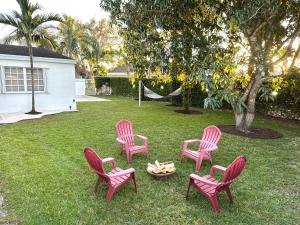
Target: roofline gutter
37,59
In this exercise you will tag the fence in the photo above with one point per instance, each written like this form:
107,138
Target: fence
90,88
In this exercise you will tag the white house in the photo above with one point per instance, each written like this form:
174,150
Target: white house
54,78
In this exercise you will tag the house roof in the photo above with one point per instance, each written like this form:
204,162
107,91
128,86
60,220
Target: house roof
121,69
23,51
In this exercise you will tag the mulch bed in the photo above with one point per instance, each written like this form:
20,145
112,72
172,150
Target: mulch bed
171,105
255,133
190,112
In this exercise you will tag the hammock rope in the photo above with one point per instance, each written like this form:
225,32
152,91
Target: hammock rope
151,94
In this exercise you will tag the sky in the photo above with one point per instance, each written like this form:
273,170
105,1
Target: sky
84,10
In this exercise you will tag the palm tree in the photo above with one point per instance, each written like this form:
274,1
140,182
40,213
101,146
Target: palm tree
95,46
69,36
25,24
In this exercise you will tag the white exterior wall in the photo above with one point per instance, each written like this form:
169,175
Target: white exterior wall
59,89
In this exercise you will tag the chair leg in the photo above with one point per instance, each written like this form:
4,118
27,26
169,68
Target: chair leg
148,155
215,204
210,159
109,195
229,194
181,156
198,164
134,182
97,184
188,189
128,158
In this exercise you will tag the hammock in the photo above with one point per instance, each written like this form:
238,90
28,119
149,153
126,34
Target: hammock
151,94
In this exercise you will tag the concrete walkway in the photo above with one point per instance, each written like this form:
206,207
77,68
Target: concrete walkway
86,98
6,118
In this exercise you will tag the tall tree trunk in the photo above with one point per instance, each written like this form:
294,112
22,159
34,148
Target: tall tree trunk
174,100
186,98
244,117
239,120
33,111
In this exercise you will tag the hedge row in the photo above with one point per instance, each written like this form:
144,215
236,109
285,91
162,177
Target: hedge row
124,87
284,106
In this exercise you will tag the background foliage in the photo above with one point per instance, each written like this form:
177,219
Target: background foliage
285,105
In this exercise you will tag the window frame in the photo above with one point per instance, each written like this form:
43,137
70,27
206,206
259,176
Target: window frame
3,80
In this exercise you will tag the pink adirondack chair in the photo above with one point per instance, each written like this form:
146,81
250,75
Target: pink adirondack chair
126,138
207,144
115,179
210,187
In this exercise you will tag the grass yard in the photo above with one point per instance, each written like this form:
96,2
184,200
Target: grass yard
46,180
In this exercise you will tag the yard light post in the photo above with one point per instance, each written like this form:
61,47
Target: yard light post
140,92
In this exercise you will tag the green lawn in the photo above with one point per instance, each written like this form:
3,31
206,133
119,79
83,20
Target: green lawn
46,179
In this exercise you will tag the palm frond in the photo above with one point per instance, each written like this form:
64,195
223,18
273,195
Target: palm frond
28,8
50,17
16,15
8,20
10,38
34,7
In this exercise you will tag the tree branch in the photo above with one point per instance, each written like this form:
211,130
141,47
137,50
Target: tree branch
253,14
297,54
269,78
247,91
294,36
286,40
262,25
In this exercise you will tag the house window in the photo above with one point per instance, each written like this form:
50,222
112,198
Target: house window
38,81
14,79
18,79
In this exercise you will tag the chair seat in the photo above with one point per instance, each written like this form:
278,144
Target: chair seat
207,189
193,154
116,181
196,154
137,148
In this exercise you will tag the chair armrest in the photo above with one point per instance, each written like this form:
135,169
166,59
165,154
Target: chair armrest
120,141
141,137
191,141
145,140
122,173
110,160
217,168
203,180
187,142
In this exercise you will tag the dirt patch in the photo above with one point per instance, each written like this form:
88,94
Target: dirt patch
3,210
255,133
190,112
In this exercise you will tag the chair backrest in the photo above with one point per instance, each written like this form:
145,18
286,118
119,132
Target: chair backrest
211,134
124,130
94,161
234,170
